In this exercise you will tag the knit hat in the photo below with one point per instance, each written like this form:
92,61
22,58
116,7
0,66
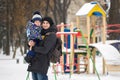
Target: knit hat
49,19
36,16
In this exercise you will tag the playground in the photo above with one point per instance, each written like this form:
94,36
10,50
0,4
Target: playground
86,52
81,46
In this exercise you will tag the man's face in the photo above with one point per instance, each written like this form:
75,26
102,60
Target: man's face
45,24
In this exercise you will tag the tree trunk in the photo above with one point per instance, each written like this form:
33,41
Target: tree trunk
8,34
114,18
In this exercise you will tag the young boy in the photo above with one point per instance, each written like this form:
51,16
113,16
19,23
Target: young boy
33,31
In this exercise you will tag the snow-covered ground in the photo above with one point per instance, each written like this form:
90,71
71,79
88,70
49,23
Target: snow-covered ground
10,70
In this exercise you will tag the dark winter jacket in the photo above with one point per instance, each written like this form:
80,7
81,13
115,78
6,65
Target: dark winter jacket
40,63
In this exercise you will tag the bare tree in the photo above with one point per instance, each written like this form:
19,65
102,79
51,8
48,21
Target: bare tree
58,8
114,17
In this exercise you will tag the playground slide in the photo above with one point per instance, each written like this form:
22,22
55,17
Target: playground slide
111,57
110,53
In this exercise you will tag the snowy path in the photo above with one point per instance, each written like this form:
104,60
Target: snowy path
10,70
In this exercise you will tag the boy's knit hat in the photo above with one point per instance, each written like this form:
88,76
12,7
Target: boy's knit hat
49,19
36,16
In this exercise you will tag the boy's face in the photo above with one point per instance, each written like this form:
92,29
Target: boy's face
37,23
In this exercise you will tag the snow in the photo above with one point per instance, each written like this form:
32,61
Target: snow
11,70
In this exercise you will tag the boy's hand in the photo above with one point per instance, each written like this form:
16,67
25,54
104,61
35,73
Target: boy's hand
31,43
